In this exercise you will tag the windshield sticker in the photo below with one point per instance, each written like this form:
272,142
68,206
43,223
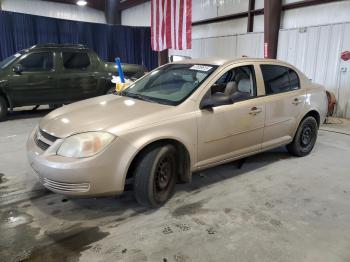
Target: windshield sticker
201,68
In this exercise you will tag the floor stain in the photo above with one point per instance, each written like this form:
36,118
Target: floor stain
167,230
2,178
189,209
67,245
13,218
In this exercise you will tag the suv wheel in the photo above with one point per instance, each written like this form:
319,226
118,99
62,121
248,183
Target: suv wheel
3,108
305,137
155,176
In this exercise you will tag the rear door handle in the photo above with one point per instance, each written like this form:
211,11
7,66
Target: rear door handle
255,110
296,101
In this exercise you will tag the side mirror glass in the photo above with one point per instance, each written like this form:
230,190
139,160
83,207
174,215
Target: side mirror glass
18,69
216,99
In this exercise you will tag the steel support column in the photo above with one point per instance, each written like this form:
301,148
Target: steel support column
113,13
272,20
251,8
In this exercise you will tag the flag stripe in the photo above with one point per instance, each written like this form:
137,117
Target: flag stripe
189,24
168,22
181,9
171,24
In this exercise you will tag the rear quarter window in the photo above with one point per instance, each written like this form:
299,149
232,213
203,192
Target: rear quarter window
279,79
75,60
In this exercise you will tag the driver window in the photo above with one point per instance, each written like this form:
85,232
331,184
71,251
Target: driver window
238,83
37,62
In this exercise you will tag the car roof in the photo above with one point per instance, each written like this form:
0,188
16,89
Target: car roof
220,61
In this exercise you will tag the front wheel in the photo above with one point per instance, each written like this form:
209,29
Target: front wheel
305,137
155,176
3,109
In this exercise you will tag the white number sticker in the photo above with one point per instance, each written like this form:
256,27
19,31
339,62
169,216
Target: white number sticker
201,68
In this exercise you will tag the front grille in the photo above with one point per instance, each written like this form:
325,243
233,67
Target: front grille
66,187
44,140
48,136
42,145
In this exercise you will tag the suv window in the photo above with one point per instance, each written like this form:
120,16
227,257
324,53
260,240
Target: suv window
75,60
238,83
37,62
279,79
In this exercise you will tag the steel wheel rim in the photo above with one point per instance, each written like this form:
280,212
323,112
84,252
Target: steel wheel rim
163,174
306,136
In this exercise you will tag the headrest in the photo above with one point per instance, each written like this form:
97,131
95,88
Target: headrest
231,87
244,85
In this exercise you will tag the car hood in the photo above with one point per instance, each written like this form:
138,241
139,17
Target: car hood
110,113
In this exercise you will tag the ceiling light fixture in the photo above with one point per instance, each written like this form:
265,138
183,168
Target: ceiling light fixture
81,3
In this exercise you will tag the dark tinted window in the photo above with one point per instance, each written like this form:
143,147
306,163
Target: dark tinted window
37,62
294,80
75,60
279,79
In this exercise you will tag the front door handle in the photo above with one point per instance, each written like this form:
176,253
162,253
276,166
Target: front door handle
296,101
255,110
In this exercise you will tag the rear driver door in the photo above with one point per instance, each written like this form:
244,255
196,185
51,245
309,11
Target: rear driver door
284,104
76,78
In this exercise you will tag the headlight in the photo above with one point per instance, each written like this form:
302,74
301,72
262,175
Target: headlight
85,144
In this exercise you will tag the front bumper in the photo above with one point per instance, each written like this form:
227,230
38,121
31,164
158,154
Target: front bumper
102,174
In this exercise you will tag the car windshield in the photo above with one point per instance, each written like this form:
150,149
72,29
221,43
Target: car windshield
4,63
171,84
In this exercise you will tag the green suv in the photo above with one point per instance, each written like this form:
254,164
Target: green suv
54,74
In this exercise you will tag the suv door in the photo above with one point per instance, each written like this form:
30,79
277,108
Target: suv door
36,83
228,131
76,78
284,104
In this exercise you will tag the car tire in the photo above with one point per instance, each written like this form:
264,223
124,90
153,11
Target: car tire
3,109
155,176
305,137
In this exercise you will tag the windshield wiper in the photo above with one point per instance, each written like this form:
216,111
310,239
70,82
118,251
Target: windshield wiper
138,96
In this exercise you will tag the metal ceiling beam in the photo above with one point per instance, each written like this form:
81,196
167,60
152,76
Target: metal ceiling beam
126,4
290,6
96,4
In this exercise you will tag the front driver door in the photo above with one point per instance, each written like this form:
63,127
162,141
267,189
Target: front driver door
228,131
36,84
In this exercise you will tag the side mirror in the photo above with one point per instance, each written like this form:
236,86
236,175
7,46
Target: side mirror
18,69
216,99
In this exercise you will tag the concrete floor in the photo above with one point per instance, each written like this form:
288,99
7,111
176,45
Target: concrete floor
276,208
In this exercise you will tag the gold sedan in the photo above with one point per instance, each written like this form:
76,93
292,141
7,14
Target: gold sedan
180,118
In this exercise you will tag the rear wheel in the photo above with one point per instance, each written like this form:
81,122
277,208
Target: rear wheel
3,109
155,176
305,137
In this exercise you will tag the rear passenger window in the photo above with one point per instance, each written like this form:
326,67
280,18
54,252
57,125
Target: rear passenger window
75,60
279,79
294,80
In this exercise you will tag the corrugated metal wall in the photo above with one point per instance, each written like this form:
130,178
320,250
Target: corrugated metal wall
316,51
229,47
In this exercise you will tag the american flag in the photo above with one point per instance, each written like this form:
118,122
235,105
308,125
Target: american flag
171,24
